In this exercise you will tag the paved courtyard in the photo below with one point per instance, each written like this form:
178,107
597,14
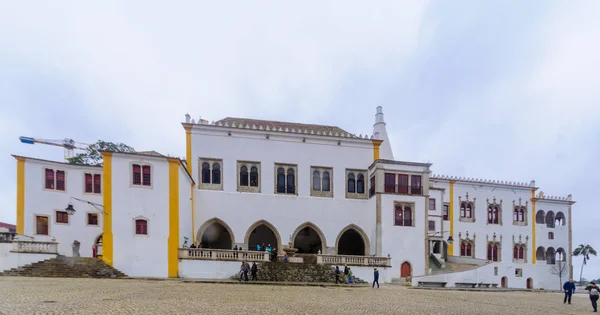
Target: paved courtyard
106,296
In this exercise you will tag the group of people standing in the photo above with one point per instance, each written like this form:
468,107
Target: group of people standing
594,293
245,268
348,278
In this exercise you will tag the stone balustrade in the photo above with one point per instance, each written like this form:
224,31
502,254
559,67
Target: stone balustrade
354,260
222,254
34,247
6,237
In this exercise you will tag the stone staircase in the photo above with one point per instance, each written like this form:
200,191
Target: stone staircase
66,267
290,272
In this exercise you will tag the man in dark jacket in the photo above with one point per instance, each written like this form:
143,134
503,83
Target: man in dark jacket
569,288
376,278
594,294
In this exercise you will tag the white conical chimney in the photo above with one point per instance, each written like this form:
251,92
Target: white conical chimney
187,118
380,133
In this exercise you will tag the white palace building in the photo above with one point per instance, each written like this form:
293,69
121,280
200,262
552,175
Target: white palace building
320,189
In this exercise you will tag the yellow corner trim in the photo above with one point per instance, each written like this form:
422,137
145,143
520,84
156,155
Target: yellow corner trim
107,235
451,218
20,196
173,240
376,144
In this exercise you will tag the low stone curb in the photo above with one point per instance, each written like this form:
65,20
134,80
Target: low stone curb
220,281
486,290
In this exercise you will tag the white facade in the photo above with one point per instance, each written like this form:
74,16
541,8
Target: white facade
236,189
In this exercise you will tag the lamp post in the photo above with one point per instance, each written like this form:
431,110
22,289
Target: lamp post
71,210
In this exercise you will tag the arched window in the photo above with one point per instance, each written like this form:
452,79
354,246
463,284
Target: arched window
360,184
205,173
351,183
496,215
522,215
515,252
469,250
254,176
463,249
243,176
316,180
326,182
516,214
519,252
280,180
466,249
490,215
492,252
540,217
469,211
291,182
216,173
463,209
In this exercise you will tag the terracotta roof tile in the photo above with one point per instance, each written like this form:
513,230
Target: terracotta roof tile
281,124
151,153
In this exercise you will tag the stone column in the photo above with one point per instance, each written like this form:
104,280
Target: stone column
378,227
570,253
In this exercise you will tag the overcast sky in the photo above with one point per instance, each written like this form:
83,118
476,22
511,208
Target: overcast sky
507,91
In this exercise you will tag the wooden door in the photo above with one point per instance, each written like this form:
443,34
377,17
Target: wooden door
504,282
529,283
405,270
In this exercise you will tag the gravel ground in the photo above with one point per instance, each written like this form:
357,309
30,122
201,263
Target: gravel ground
108,296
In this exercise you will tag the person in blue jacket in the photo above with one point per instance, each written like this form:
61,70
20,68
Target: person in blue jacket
375,278
569,288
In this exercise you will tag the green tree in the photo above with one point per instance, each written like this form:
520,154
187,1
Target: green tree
93,156
584,250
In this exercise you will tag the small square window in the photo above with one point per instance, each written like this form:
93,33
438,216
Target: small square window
446,211
62,217
518,272
431,225
92,219
141,227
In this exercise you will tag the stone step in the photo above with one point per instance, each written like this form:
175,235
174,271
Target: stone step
67,267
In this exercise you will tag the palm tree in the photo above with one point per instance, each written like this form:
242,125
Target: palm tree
584,250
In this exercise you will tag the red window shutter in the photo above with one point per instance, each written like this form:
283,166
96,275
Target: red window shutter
146,175
49,179
521,253
137,174
403,184
60,180
97,185
88,183
390,183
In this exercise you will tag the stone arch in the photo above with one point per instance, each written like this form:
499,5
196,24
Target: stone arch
540,253
219,222
561,254
559,219
550,256
268,225
360,232
529,283
540,217
405,269
504,282
550,218
314,228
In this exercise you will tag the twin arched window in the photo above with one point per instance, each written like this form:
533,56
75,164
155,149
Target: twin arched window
356,184
466,249
286,180
321,183
466,209
519,214
519,252
492,254
249,179
211,175
493,214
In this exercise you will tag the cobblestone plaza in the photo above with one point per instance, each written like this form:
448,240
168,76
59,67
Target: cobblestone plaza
107,296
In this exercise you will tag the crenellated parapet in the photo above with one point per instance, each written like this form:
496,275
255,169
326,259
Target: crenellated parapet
483,181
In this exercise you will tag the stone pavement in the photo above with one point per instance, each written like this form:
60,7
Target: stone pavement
111,296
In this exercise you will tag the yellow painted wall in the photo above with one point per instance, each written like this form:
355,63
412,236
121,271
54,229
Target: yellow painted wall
20,195
173,240
376,144
107,235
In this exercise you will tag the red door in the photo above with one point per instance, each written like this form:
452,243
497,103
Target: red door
405,270
529,283
504,282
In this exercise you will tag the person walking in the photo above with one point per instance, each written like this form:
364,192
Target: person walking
594,294
569,288
345,273
376,278
350,278
337,275
254,270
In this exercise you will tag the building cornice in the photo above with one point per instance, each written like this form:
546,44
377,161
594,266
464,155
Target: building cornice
19,157
383,161
487,182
